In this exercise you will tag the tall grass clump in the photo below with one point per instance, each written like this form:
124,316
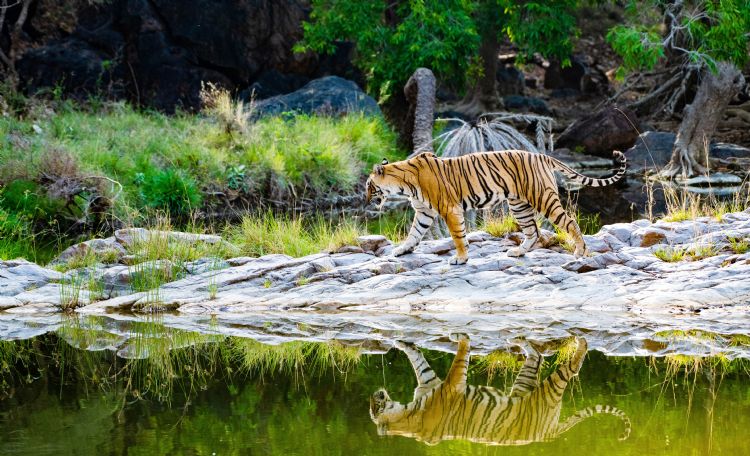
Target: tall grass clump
295,236
500,225
684,205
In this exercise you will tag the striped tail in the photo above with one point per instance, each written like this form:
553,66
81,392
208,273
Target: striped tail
588,412
570,173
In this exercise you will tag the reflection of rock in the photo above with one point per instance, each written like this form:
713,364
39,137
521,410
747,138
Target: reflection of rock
450,409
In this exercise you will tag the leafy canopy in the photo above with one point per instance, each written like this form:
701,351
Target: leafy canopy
393,39
704,32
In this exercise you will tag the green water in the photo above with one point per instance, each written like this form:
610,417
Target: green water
222,395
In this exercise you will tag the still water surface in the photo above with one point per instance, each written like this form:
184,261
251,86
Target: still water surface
164,391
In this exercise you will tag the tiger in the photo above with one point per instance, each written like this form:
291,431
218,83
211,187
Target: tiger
450,409
450,186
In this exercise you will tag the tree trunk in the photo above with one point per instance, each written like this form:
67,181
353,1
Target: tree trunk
716,90
482,96
420,93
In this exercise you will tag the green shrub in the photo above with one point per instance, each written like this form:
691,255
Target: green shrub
172,191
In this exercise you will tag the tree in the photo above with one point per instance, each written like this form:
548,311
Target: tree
453,38
704,43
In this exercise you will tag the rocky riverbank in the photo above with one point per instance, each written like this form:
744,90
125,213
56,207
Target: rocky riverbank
622,274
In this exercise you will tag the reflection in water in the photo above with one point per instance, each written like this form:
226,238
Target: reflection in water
450,409
109,386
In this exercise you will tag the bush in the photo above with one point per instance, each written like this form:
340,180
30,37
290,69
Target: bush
172,191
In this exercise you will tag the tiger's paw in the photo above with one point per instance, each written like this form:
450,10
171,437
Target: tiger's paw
580,252
456,260
458,337
516,252
402,250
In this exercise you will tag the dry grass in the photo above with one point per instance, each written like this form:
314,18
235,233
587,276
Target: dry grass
500,225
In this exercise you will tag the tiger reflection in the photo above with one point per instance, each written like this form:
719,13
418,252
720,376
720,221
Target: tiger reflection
451,409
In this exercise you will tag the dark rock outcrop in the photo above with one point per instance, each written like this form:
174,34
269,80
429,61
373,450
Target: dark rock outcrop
602,132
526,104
330,95
157,52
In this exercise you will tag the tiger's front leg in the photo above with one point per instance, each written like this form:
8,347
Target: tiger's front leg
423,220
457,227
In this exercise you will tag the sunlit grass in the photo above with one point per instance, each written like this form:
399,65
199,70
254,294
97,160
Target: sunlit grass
739,245
670,254
500,225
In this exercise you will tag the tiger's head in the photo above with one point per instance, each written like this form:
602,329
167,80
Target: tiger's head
389,179
380,183
384,411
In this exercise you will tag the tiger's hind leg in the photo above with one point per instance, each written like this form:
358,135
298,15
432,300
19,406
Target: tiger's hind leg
426,377
528,378
524,215
557,215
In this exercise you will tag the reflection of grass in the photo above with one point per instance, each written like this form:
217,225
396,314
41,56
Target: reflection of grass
692,334
498,363
294,357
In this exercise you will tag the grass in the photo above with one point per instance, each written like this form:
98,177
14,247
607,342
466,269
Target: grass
142,163
683,205
295,236
701,251
739,245
670,254
499,225
70,292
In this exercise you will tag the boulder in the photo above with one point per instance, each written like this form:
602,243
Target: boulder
272,83
108,249
526,104
330,95
600,133
72,64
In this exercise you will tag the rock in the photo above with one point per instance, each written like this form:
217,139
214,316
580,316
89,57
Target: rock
625,279
570,77
648,237
350,249
526,104
131,236
510,81
602,132
158,52
108,250
73,65
272,83
372,242
330,95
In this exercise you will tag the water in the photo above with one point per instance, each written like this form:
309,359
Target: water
103,386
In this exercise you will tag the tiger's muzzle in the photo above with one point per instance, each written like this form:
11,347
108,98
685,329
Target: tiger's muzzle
373,192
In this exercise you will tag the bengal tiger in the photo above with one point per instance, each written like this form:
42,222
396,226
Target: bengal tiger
449,186
451,409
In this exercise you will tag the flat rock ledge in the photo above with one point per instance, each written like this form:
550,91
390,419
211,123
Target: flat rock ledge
621,274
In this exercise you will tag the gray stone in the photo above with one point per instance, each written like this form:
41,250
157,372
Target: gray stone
101,247
373,242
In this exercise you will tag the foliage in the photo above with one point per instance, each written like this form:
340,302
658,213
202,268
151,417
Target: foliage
670,253
500,226
704,32
173,191
394,39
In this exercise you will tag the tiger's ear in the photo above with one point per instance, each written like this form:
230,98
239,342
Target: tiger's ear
385,161
426,155
378,169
